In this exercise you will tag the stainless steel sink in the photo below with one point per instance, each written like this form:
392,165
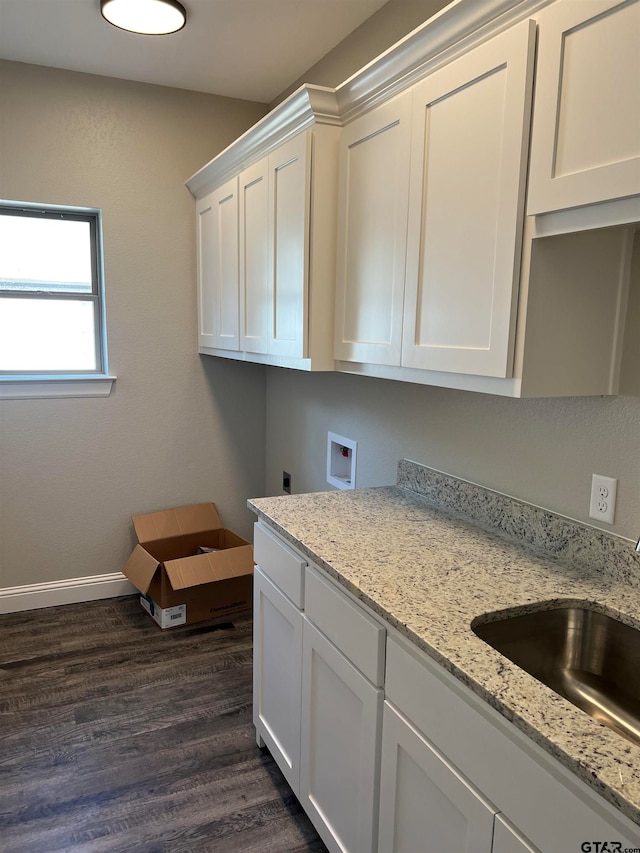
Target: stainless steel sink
589,658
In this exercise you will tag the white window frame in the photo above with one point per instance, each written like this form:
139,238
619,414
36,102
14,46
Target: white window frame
89,383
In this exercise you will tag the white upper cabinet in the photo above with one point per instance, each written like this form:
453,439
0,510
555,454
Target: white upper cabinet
422,222
430,222
266,215
585,144
274,237
289,213
218,308
372,233
469,139
254,257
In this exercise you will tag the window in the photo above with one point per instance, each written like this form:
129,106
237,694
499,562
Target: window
52,323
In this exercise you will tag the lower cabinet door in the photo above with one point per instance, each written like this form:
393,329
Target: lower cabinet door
340,746
425,805
506,839
277,671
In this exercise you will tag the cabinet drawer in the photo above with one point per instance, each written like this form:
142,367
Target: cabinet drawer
280,563
359,637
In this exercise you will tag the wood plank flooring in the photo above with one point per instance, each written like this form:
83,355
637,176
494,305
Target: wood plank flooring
117,736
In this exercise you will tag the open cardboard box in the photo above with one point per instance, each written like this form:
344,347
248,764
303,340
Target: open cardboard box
178,585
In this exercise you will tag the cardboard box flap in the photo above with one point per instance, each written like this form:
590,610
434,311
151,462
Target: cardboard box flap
140,568
206,568
170,523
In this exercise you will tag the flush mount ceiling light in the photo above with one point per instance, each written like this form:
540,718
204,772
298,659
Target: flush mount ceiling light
150,17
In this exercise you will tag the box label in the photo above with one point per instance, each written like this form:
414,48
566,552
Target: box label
167,617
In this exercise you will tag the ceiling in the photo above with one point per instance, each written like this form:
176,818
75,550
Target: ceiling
249,49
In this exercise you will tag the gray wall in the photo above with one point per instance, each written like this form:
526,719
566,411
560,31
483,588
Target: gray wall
542,451
389,24
178,428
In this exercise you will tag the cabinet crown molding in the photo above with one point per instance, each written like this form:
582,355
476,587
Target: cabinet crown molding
307,106
452,30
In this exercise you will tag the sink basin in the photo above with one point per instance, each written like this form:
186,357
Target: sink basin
589,658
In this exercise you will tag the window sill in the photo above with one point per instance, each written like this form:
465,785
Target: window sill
43,387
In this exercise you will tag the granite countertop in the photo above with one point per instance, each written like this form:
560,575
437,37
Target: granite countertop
431,571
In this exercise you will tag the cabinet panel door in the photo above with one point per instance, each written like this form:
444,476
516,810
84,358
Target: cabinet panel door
585,143
341,713
372,234
254,257
424,803
218,310
469,140
205,231
508,840
289,196
277,670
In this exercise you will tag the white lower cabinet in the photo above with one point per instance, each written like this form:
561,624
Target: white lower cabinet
386,750
277,672
538,804
313,708
506,839
425,804
339,759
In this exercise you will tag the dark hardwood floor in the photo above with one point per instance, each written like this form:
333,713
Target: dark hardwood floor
117,736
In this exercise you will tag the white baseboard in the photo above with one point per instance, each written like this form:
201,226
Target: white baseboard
14,599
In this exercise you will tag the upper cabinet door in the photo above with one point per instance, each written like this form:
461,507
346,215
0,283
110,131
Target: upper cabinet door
205,230
470,133
289,197
585,144
254,257
372,234
218,315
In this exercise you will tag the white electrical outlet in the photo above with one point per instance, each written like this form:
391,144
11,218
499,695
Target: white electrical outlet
603,498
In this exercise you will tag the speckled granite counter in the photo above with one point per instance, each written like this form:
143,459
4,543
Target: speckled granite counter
431,571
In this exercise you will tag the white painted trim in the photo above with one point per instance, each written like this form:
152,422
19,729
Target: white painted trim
15,599
37,388
460,381
307,106
271,360
622,211
453,30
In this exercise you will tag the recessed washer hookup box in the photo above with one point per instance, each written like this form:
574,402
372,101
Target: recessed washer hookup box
171,572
